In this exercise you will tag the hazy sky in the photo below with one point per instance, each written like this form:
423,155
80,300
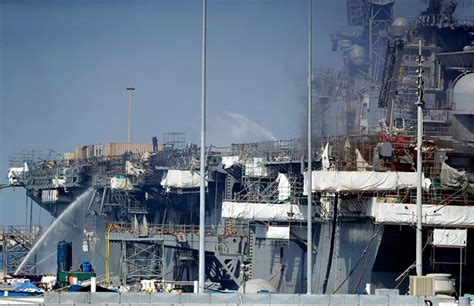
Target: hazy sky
64,67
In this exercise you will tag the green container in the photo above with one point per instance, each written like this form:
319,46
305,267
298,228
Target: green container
63,276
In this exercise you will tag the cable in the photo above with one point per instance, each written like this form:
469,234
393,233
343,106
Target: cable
331,249
361,275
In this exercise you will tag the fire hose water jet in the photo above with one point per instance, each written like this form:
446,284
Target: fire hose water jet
65,213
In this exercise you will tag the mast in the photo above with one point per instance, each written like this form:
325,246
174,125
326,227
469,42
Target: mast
419,141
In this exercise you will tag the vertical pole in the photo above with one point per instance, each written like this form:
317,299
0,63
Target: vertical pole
39,216
309,248
130,89
26,209
371,67
419,141
460,272
107,254
129,116
4,252
215,201
31,215
202,189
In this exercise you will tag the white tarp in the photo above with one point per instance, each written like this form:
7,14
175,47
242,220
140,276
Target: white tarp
325,157
132,170
181,179
229,161
434,215
120,182
451,176
49,195
58,182
256,167
273,232
333,181
454,238
284,187
263,211
361,163
16,172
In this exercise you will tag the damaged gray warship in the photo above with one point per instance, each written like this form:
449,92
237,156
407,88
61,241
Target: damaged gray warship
133,209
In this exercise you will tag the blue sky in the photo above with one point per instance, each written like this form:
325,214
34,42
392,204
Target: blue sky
65,66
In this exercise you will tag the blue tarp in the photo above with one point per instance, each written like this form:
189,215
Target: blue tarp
75,288
28,287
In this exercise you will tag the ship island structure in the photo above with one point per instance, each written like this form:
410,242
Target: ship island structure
139,214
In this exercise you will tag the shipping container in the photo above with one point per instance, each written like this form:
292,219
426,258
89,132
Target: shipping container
90,152
68,155
111,149
117,149
77,153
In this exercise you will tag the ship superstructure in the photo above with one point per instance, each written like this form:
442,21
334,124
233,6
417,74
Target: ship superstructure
140,215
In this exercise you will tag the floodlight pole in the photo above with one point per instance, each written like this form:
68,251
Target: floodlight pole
202,189
309,248
130,89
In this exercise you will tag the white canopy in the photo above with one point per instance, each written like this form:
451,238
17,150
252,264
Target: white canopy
181,179
450,238
334,181
273,232
263,211
433,215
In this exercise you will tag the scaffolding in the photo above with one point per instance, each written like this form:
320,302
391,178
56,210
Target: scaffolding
15,243
279,150
141,258
142,248
32,157
174,140
141,254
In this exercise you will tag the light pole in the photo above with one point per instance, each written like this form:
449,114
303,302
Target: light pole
202,189
309,234
130,89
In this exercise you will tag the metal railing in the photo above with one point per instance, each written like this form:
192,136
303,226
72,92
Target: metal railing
33,156
238,229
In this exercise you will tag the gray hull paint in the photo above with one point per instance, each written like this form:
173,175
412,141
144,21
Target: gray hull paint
287,272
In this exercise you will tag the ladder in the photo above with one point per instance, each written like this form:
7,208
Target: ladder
252,240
